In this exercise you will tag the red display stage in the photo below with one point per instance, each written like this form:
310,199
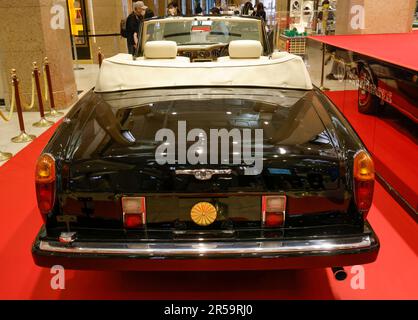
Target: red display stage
397,49
392,276
391,137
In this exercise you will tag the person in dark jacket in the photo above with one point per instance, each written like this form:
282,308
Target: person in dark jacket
148,13
132,26
133,23
198,9
247,8
260,11
215,11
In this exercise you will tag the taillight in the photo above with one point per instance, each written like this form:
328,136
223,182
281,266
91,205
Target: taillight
273,211
45,183
134,212
363,172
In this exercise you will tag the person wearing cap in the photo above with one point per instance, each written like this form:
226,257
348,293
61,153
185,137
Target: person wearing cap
133,22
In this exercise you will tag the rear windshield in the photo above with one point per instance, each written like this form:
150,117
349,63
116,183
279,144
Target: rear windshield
284,116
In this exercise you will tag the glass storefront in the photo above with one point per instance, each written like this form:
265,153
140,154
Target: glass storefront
77,15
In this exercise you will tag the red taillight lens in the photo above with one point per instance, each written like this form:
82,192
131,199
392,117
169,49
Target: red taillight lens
273,219
45,183
133,220
273,211
134,212
363,172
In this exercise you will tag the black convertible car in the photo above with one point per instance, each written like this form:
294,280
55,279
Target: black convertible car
115,191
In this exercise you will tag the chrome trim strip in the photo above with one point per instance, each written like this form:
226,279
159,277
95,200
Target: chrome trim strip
211,248
203,174
409,208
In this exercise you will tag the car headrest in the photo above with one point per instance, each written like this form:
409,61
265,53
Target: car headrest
245,49
160,50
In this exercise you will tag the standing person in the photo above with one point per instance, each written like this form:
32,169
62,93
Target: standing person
260,12
148,13
132,26
133,22
247,9
217,9
198,9
324,16
173,9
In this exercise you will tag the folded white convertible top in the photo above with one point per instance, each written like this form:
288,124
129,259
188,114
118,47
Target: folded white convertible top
121,72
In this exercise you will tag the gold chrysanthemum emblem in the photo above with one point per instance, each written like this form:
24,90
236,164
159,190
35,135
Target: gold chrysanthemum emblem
203,213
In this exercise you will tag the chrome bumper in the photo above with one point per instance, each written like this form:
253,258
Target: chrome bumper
212,249
312,252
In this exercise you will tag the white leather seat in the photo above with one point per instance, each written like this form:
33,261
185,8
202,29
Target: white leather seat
160,50
245,49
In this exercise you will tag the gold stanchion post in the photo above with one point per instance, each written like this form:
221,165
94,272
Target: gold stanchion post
23,136
53,112
42,122
100,57
5,156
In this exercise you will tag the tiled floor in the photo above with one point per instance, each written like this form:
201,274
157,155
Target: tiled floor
85,80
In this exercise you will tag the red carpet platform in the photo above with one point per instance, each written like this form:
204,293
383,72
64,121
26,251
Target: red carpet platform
391,138
398,49
392,276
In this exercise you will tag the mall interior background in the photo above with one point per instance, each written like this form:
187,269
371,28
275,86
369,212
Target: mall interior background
33,29
28,34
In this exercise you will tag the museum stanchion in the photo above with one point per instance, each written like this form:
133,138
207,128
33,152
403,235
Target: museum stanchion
23,136
12,106
100,57
42,122
7,155
323,68
27,107
53,112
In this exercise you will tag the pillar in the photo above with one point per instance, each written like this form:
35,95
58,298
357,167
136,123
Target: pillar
29,31
104,17
374,16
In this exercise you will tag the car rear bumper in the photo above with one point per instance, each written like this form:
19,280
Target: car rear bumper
225,255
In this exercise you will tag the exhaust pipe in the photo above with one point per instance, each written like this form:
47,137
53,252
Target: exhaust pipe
339,273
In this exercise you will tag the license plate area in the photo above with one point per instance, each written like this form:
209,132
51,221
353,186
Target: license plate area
175,212
212,234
